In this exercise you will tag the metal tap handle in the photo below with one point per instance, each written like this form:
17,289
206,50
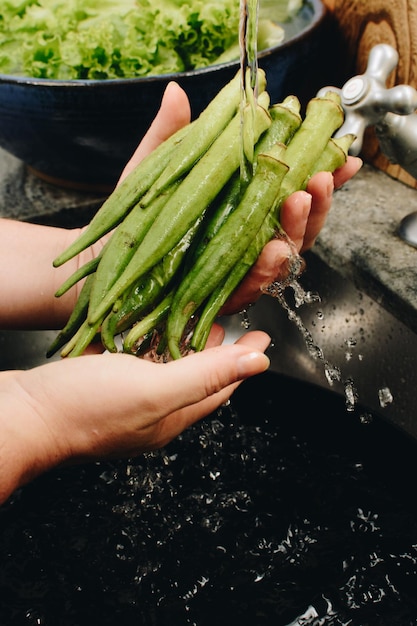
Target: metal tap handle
367,102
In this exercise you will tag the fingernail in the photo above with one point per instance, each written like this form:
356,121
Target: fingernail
306,206
330,186
252,363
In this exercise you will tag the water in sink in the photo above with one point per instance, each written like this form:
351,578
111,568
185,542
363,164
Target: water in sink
257,515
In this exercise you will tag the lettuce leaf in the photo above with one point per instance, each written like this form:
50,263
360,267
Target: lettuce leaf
105,39
110,39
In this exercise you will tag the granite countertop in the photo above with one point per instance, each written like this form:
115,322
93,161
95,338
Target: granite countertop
359,239
23,195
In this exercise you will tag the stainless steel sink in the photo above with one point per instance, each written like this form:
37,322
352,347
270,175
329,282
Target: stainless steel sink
375,353
24,349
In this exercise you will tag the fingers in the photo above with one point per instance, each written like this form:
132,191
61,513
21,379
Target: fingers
302,217
272,264
300,209
198,384
136,405
321,188
174,113
274,261
345,173
210,372
216,336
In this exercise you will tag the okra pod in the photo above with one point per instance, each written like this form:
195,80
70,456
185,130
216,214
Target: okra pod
144,326
285,120
125,195
85,334
85,270
227,246
335,154
77,317
137,301
195,193
124,242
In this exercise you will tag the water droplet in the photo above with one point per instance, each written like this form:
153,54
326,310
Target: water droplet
350,395
366,418
385,397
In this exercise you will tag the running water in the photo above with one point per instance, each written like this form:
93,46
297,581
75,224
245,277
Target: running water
279,290
248,29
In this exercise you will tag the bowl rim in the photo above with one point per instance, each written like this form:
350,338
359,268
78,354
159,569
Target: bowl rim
319,11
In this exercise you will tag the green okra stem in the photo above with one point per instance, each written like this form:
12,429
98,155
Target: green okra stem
125,196
323,117
285,121
335,154
148,323
77,317
195,193
227,246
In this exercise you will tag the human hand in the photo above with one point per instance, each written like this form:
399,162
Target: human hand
113,405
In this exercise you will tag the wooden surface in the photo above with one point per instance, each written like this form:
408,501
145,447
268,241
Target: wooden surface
360,25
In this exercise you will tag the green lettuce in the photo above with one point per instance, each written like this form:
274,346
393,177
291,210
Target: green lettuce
99,39
110,39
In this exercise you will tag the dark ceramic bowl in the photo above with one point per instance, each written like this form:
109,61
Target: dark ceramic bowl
81,133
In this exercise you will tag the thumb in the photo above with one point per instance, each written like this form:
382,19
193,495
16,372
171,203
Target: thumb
173,114
195,386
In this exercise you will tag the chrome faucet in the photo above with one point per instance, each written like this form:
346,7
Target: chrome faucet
367,102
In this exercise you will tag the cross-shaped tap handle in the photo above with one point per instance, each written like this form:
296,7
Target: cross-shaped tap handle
367,101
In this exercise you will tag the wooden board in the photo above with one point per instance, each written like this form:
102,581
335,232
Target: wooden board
360,25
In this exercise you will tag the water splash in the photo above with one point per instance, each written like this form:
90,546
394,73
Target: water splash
278,289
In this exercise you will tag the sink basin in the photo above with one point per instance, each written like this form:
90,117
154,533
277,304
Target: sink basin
375,353
277,509
281,508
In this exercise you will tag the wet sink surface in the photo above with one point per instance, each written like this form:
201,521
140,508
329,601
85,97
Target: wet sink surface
282,505
375,353
278,506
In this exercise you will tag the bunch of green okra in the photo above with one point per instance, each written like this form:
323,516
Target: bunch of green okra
186,226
